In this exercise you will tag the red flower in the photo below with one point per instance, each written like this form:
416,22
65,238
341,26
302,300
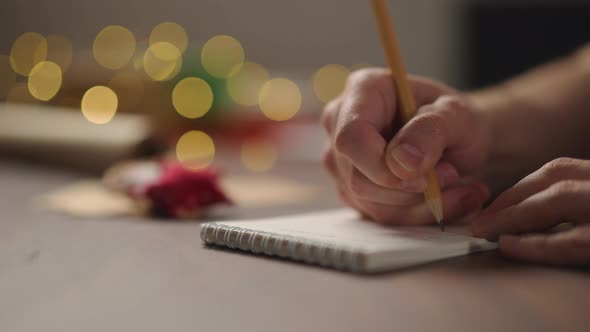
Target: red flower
182,192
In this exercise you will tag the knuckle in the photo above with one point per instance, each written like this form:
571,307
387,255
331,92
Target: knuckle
431,124
556,168
452,103
568,187
452,109
367,77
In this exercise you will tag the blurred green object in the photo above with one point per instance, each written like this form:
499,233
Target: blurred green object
191,67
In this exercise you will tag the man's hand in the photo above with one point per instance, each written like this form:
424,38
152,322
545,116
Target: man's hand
559,192
380,170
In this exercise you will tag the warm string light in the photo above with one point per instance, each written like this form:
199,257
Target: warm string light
258,156
162,61
27,50
113,47
60,51
329,81
192,97
221,55
195,149
172,33
245,82
45,80
45,59
279,99
99,104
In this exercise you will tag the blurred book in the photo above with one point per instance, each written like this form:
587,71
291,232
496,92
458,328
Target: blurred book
63,137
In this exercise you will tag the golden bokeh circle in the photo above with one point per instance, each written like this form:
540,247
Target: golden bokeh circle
99,104
192,97
221,54
245,82
258,156
329,81
170,32
162,61
195,149
27,50
45,80
129,89
279,99
113,47
60,51
7,75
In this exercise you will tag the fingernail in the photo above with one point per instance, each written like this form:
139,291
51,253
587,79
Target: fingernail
409,157
413,185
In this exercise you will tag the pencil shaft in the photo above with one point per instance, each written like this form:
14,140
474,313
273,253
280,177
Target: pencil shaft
394,60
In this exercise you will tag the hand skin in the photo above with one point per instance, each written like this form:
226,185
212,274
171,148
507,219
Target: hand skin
478,143
558,192
384,177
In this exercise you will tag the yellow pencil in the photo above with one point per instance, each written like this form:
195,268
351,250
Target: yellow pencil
406,100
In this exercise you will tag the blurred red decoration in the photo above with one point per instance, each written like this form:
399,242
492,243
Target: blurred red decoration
181,192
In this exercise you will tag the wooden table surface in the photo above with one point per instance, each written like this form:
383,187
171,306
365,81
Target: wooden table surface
58,273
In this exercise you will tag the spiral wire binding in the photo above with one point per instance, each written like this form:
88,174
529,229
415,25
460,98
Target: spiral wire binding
313,252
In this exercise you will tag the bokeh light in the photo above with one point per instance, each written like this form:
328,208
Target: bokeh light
59,50
195,149
45,80
113,47
162,61
170,32
192,97
221,54
28,49
244,83
7,75
279,99
19,93
329,82
258,156
129,89
99,104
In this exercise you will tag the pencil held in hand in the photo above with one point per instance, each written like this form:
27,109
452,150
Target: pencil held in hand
393,57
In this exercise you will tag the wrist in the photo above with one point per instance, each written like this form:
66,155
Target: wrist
506,139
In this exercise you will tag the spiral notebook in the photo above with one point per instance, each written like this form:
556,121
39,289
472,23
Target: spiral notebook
341,239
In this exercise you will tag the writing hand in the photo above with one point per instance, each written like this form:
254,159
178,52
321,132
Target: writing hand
379,170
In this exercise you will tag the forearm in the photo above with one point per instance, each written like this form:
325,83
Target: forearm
536,117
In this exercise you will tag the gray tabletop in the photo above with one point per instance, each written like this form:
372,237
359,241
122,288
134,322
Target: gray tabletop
58,273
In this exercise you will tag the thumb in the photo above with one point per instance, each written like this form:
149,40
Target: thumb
420,144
